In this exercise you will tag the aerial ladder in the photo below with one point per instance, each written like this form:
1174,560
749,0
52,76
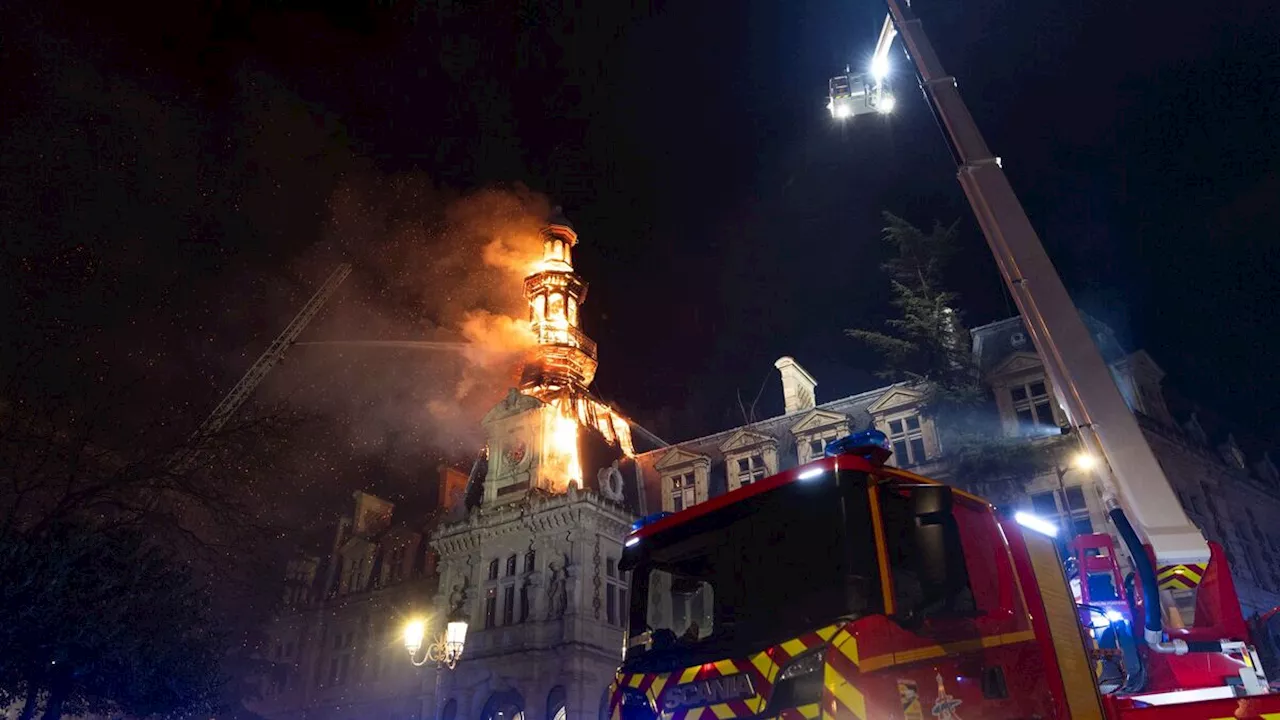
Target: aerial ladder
1161,540
195,448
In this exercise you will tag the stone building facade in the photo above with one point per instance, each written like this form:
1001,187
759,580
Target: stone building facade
334,651
532,567
1230,497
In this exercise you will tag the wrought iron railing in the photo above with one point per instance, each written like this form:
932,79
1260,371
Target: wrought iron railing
551,334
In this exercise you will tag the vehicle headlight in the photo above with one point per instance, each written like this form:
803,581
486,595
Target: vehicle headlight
803,665
635,705
799,682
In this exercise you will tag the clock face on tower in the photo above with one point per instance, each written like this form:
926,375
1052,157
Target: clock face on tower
514,452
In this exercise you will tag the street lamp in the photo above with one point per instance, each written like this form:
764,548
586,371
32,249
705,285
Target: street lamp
1080,461
1084,461
444,650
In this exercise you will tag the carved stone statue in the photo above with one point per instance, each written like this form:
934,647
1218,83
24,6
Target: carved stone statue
458,599
557,589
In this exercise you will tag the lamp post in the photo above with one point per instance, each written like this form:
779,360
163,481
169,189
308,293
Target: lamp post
1080,461
445,650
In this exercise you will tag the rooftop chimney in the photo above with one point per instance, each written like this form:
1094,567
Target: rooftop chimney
797,385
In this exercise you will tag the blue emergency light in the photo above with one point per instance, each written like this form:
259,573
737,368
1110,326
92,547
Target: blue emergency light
648,520
871,444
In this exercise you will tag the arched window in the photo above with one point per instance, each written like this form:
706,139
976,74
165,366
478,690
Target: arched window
604,704
555,306
555,703
508,705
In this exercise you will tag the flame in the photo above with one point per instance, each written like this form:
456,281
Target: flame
560,452
554,293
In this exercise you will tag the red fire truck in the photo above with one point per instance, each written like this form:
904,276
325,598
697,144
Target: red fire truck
849,589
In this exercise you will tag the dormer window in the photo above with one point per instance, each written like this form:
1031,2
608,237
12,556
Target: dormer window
750,469
907,439
749,457
684,479
815,430
681,490
1033,407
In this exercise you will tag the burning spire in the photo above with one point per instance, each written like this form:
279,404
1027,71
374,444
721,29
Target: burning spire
563,362
565,358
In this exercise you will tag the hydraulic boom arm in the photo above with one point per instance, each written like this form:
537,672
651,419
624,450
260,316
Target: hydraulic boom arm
1081,379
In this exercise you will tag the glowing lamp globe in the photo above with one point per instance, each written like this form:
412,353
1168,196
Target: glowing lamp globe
455,638
414,632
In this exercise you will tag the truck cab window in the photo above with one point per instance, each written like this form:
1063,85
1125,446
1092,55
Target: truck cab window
926,556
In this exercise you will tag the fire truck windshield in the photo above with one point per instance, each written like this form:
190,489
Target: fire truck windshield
755,572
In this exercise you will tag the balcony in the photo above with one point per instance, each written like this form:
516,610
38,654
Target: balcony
550,334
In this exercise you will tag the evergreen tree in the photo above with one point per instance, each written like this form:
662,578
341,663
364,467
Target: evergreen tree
925,342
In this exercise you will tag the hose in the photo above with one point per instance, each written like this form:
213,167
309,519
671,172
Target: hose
1146,576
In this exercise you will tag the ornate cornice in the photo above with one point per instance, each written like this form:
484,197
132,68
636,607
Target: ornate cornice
535,515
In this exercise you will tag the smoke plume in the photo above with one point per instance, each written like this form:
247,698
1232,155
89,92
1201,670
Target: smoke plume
441,274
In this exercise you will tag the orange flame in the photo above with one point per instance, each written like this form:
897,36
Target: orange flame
560,452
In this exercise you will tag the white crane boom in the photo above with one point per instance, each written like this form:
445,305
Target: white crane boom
1081,379
256,372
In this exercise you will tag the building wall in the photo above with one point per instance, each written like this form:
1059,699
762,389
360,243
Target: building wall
538,583
344,659
335,651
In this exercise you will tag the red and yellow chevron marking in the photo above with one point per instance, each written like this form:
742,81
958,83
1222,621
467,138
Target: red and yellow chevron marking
762,667
804,712
840,695
1180,577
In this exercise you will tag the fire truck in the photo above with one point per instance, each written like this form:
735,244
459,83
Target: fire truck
847,588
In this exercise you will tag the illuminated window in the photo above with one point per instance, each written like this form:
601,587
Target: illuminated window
682,491
907,439
1033,407
750,469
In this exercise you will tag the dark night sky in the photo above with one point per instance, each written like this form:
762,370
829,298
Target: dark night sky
169,167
